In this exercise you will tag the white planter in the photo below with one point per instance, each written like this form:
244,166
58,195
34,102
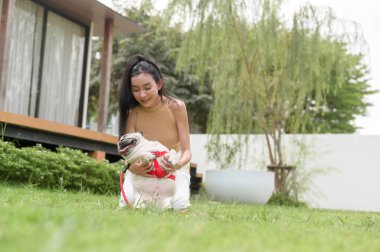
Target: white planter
245,186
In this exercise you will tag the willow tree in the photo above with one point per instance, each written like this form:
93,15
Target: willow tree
265,70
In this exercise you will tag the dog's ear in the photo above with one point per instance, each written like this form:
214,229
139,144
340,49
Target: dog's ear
142,133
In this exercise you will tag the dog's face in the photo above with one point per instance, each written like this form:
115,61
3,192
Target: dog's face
128,142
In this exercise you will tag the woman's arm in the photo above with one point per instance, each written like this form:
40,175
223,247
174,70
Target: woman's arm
180,114
183,134
131,121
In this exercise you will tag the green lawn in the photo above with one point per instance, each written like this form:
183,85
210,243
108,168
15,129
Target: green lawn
40,220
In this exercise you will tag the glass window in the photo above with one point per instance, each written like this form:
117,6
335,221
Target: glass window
46,64
24,58
62,71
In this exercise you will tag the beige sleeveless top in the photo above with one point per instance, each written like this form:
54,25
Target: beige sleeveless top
158,124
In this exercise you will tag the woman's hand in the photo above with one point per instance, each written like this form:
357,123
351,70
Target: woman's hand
167,166
141,169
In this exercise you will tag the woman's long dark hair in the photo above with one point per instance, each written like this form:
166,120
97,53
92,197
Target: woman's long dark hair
136,65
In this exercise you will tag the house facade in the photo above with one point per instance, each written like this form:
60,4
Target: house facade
45,57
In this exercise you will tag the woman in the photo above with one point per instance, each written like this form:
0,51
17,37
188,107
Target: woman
145,107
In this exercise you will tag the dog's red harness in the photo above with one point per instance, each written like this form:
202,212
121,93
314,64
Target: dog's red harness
158,171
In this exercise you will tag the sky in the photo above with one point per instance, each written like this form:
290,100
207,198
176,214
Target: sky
364,13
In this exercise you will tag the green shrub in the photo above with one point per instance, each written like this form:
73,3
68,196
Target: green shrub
282,199
64,168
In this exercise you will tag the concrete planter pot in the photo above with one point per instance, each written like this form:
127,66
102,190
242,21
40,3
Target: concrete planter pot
244,186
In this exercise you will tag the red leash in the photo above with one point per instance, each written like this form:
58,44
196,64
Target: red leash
121,185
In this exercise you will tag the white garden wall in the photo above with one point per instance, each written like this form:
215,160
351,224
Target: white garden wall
352,179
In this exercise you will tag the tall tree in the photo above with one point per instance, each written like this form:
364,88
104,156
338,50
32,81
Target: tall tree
346,102
266,72
352,76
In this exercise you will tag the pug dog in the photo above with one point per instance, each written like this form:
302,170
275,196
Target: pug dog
158,189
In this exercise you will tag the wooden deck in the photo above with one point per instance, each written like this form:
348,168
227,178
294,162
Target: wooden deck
35,130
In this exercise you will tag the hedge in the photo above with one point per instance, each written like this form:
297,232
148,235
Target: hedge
63,168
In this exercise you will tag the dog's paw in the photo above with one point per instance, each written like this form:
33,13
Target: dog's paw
173,157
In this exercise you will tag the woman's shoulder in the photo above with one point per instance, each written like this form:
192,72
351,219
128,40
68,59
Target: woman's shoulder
132,115
175,105
133,111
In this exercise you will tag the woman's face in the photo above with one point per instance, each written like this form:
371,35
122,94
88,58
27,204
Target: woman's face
145,90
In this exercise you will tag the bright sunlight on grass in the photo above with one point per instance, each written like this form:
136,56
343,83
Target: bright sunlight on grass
40,220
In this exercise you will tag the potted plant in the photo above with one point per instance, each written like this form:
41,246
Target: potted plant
230,182
269,74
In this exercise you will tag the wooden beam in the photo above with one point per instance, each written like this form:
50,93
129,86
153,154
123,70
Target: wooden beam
98,155
48,126
5,32
105,75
